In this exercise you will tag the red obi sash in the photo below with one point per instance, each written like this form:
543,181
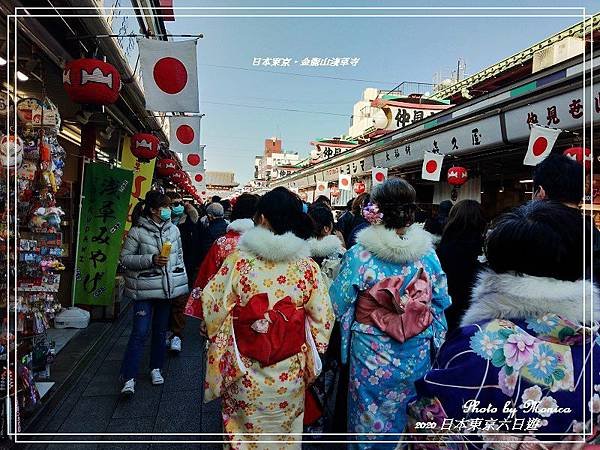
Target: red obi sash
399,316
269,335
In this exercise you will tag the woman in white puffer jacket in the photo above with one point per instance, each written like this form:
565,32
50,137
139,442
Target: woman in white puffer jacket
152,281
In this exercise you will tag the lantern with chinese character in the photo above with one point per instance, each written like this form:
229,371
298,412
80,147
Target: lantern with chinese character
177,177
359,187
335,192
144,146
91,81
165,167
457,176
580,154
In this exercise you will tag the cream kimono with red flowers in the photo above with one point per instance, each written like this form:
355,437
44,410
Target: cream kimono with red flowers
260,398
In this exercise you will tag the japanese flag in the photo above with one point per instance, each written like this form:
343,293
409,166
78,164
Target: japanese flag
184,134
170,75
432,166
345,182
541,141
193,161
379,175
322,189
198,180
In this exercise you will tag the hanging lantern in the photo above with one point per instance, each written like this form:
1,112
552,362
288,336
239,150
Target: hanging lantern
580,154
359,187
165,167
144,146
11,151
457,176
91,81
177,177
335,192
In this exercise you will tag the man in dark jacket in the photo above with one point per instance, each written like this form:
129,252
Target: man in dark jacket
209,233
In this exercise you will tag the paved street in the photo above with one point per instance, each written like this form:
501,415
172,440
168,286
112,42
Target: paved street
93,404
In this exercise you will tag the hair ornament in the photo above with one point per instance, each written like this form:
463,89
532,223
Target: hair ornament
372,214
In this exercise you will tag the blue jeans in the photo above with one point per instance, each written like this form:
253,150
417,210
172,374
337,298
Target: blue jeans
147,314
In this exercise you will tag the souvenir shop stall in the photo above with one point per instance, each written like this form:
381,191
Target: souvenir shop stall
32,169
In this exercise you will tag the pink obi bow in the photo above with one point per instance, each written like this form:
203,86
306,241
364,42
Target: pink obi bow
399,316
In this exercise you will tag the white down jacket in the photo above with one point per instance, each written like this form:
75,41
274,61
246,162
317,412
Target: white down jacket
143,280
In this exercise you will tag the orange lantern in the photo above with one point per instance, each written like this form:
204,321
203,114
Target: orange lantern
335,192
580,154
165,167
91,81
359,187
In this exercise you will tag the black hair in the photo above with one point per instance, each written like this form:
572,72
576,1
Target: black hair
323,200
153,200
215,199
174,194
466,221
322,217
395,198
349,204
540,238
284,211
561,177
226,204
359,203
245,207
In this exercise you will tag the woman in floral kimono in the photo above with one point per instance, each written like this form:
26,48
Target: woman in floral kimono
390,297
268,318
515,370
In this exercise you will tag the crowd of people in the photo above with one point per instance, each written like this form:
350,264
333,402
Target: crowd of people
378,324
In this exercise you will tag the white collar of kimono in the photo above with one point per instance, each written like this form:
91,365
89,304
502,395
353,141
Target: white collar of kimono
510,296
241,225
273,247
387,245
327,246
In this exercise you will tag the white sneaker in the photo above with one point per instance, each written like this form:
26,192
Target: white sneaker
156,377
129,387
175,344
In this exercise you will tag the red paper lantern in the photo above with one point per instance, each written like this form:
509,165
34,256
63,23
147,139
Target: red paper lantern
91,81
359,187
165,167
177,177
580,154
457,176
144,146
335,192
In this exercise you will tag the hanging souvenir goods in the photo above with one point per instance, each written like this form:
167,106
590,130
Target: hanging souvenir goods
165,167
580,154
144,146
359,187
33,112
91,81
457,176
11,151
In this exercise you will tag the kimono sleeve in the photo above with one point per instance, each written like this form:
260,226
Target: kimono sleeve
319,312
343,293
223,365
209,267
440,300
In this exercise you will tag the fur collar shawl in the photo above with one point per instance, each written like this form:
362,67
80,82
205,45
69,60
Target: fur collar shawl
241,225
323,248
273,247
387,245
509,296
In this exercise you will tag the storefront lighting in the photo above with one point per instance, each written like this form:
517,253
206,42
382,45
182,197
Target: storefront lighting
2,61
529,192
501,190
21,76
525,181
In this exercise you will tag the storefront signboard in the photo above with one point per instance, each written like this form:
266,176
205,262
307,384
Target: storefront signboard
106,193
142,177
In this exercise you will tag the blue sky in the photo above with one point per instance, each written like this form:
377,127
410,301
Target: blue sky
390,49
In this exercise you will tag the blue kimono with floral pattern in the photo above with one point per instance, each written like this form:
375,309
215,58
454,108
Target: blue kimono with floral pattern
383,370
508,378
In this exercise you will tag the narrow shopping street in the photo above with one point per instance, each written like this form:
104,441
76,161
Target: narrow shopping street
93,403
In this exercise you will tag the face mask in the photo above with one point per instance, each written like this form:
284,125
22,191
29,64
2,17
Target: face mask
177,210
165,213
